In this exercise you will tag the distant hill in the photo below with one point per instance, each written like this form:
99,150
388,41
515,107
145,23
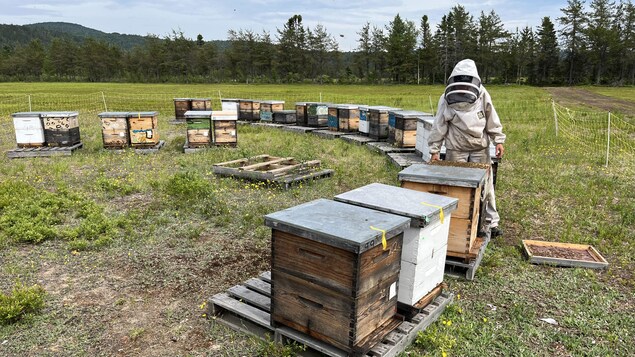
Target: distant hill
12,35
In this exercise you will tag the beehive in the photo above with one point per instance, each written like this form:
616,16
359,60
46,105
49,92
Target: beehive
424,128
114,129
300,113
317,114
29,131
424,242
267,107
403,127
363,120
230,104
203,104
224,129
378,117
284,117
181,105
333,122
249,110
143,129
331,277
61,128
348,117
463,183
199,125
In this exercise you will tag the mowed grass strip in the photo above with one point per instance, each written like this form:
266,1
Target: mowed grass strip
180,234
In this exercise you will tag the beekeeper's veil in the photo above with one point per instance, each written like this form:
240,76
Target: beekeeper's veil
464,84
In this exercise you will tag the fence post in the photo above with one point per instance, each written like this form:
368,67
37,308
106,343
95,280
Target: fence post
320,97
30,109
608,140
431,107
103,98
555,115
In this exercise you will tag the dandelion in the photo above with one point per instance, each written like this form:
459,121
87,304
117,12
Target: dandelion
202,306
485,319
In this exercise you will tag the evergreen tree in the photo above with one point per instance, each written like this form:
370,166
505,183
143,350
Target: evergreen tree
378,53
363,54
574,24
490,35
426,53
400,47
602,34
546,52
292,49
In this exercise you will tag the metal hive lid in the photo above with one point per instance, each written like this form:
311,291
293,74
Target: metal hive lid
143,114
26,114
444,175
182,99
410,114
113,115
382,108
337,224
348,106
198,114
59,114
199,99
272,101
421,207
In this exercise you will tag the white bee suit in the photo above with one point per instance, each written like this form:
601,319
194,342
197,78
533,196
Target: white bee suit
467,122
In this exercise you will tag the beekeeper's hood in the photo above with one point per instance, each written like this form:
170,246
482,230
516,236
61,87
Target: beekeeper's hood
464,84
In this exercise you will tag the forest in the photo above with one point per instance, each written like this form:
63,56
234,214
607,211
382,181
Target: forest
587,44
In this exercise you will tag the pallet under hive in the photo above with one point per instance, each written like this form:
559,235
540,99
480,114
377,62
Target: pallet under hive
285,171
246,307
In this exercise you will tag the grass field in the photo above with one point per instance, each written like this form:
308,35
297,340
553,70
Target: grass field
127,248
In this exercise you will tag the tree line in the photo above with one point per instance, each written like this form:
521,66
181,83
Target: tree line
585,45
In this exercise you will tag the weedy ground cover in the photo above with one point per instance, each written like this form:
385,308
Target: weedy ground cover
129,247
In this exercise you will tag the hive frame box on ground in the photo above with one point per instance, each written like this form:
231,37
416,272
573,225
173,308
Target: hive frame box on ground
425,240
331,276
267,107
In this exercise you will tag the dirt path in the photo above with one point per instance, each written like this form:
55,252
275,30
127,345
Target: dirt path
570,96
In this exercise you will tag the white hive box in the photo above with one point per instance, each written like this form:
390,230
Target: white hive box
29,130
230,104
424,127
425,241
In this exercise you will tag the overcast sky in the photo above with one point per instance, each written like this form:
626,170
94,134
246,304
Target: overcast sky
212,19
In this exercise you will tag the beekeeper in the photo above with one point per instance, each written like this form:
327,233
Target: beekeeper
467,122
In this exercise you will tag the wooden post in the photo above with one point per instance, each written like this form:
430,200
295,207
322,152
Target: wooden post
431,107
608,140
103,97
30,103
555,115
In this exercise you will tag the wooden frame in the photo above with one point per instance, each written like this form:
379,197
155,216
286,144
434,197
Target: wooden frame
599,263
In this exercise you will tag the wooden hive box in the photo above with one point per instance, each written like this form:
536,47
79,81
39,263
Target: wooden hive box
181,105
424,128
199,125
348,117
230,104
333,122
267,107
29,131
331,277
378,117
61,128
284,116
300,113
224,128
317,114
425,241
204,104
462,183
143,129
403,127
114,129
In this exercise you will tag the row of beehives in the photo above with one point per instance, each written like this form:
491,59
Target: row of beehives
340,268
380,123
35,129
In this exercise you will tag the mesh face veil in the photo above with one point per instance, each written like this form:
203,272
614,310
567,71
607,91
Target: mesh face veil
462,89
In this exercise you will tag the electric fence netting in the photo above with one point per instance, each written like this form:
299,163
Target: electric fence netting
606,137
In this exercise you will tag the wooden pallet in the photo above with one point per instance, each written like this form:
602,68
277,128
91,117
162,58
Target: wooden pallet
357,139
328,134
385,148
267,124
466,267
299,129
283,171
246,307
175,121
43,151
139,150
403,160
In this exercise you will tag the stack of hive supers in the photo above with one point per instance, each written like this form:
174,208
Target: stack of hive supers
333,122
143,129
424,128
285,117
268,107
230,105
402,130
114,129
181,105
249,110
300,113
202,104
199,125
224,129
61,128
378,118
29,131
317,114
348,117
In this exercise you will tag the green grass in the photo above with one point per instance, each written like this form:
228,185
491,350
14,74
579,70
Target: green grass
625,93
161,233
